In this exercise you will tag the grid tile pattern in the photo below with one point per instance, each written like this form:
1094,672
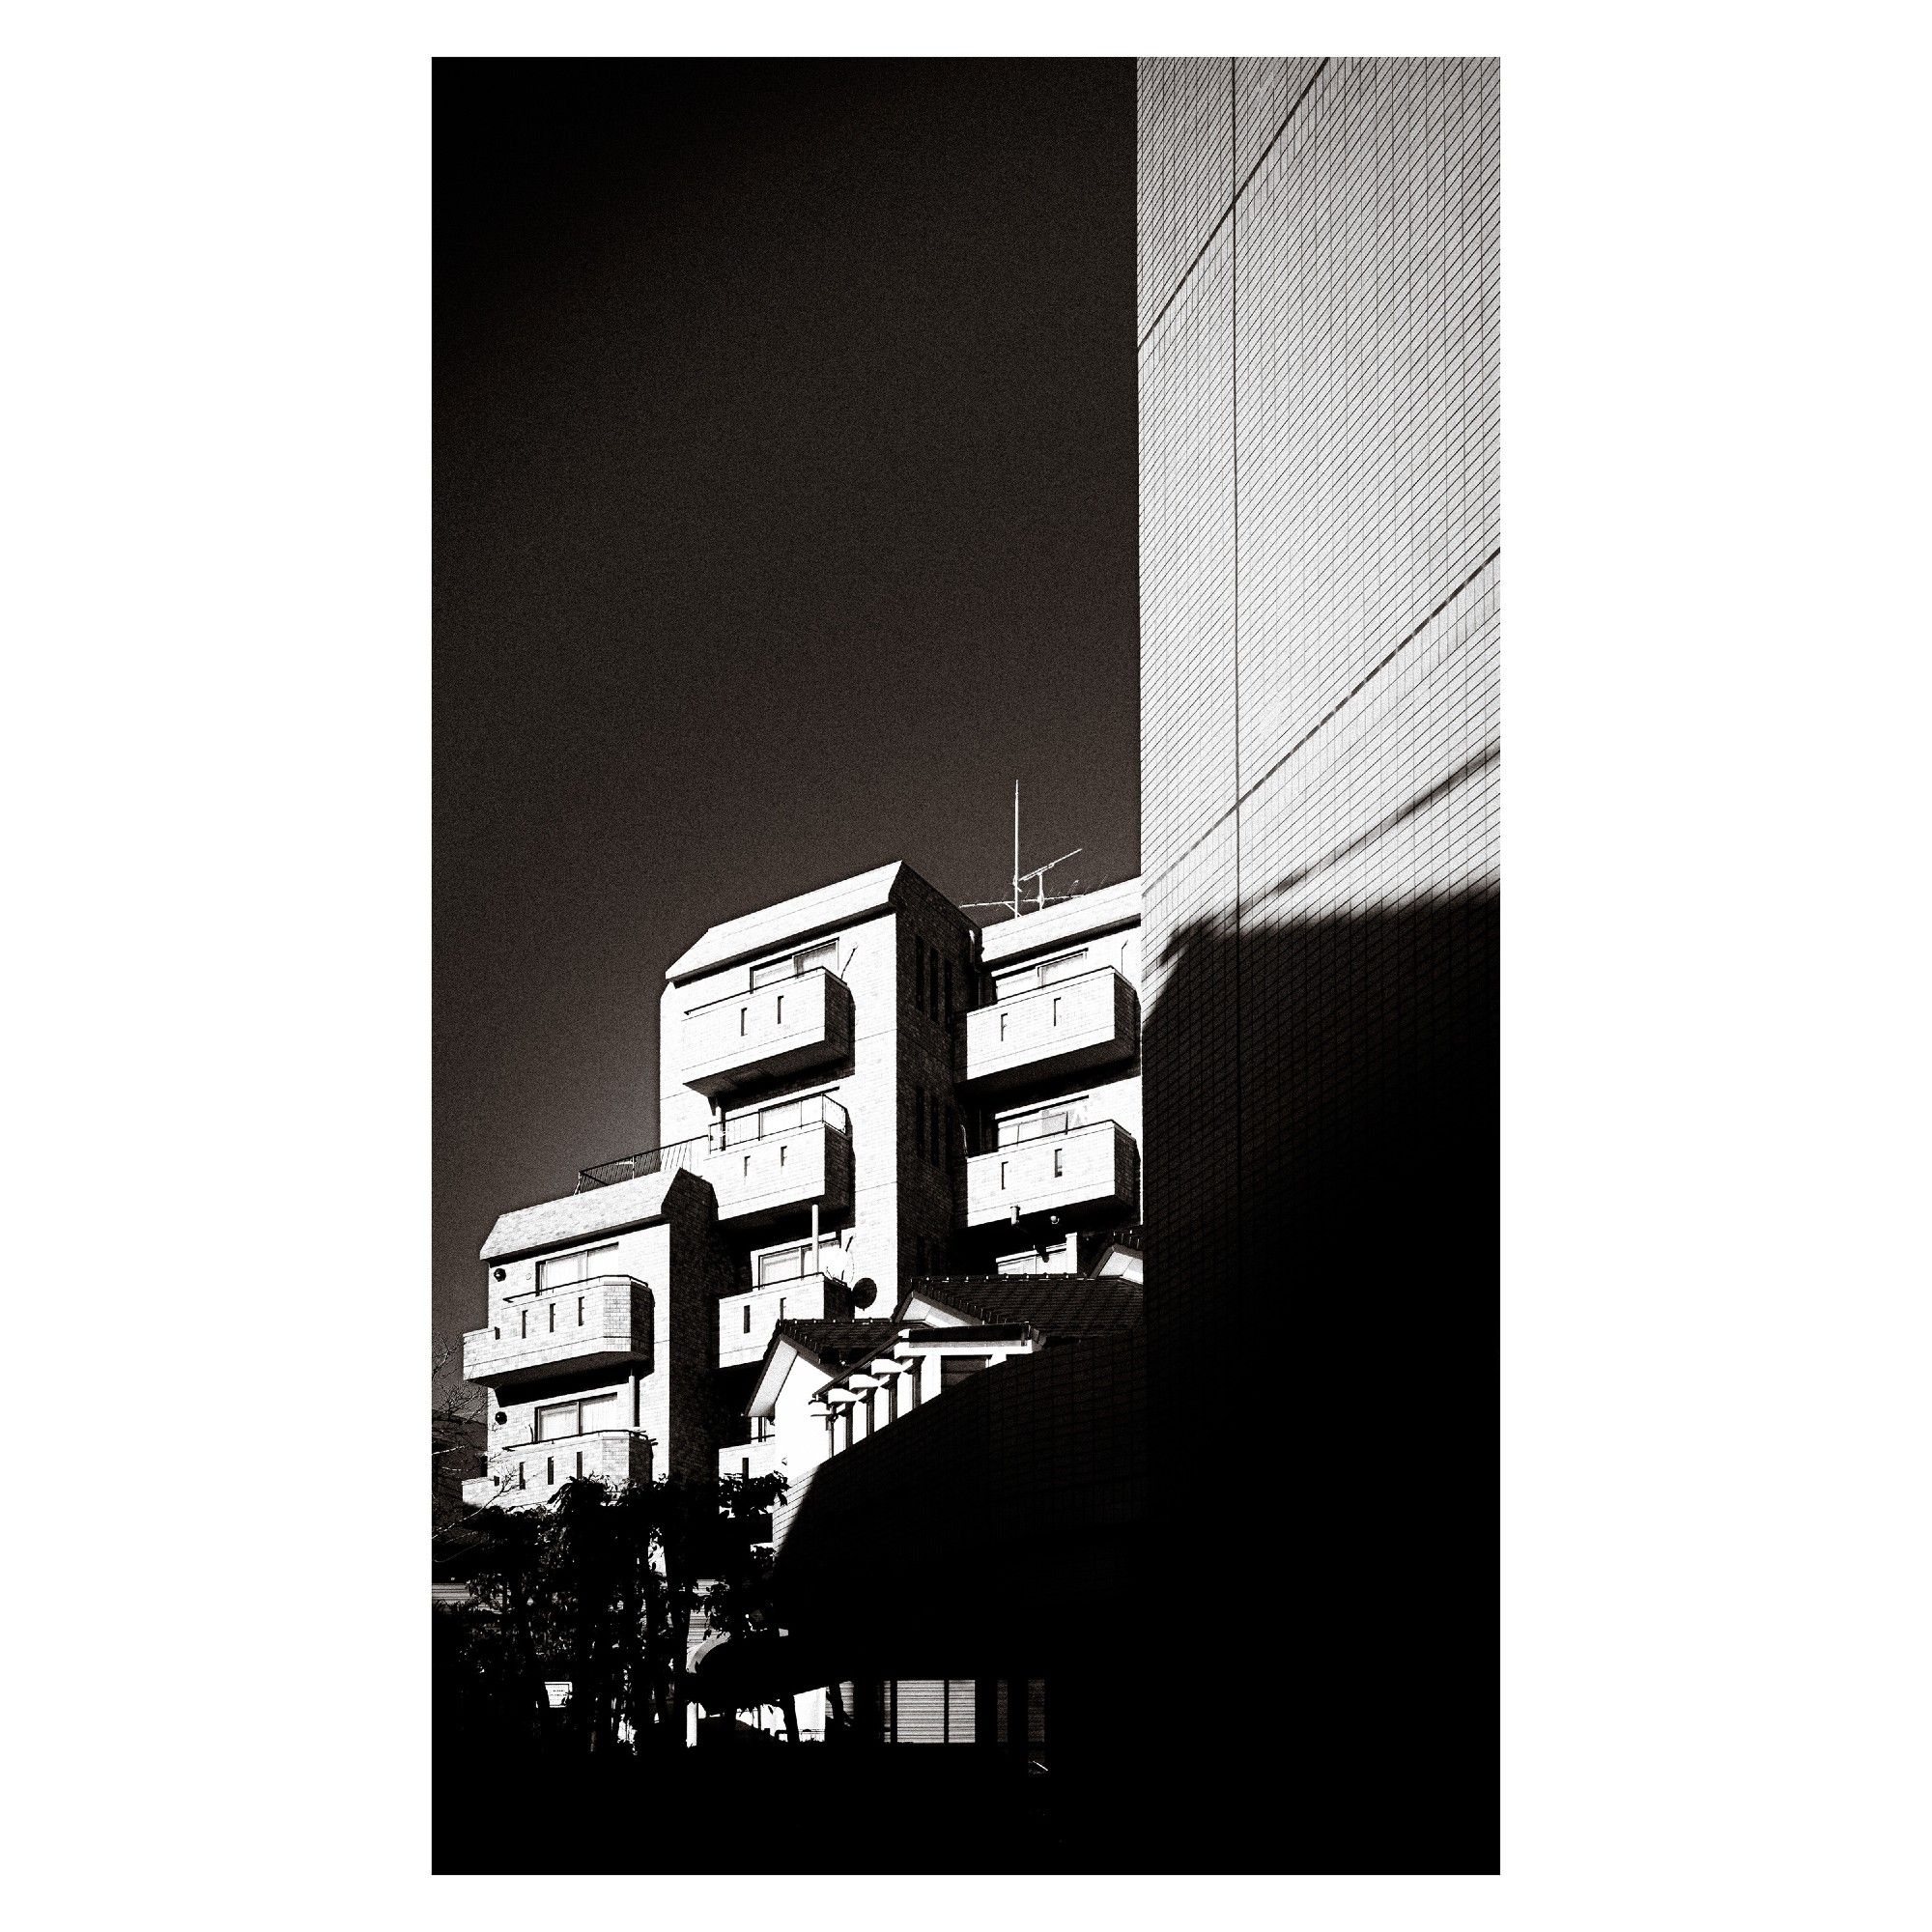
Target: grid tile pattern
1185,173
1320,564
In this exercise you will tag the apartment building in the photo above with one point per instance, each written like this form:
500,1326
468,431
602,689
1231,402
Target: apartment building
859,1089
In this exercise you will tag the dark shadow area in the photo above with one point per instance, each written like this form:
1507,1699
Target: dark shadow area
1251,1549
1323,1376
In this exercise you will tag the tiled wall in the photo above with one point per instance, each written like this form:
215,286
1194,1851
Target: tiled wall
1320,545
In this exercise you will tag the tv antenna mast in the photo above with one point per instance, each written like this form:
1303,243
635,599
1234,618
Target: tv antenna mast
1037,878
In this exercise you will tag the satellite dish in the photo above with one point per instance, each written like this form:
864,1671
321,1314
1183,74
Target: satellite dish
864,1292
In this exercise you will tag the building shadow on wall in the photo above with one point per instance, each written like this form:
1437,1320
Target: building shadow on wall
1323,1374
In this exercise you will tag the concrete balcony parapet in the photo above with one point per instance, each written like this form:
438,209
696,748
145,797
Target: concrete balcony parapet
1080,1166
1066,1027
786,1028
603,1322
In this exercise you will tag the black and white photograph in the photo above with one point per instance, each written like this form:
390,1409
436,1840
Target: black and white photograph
967,896
769,755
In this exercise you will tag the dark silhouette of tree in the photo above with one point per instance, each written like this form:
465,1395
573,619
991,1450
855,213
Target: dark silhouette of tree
598,1586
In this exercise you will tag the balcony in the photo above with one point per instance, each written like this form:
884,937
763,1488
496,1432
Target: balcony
1064,1028
786,1028
532,1472
1078,1166
603,1322
763,1458
803,1297
784,1156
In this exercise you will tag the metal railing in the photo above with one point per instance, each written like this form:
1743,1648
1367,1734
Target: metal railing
760,1124
779,983
779,1117
1049,1126
665,1159
1016,994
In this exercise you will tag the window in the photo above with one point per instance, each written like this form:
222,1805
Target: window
748,1318
1056,1010
560,1270
1041,973
933,983
782,1265
779,1017
576,1418
1059,1162
919,973
1041,1123
550,1468
928,1711
745,1467
948,989
579,1311
1003,1177
919,1118
954,1369
822,953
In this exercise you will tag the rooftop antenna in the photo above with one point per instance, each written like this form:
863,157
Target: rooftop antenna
1036,878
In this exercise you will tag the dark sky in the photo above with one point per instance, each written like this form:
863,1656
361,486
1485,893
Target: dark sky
786,507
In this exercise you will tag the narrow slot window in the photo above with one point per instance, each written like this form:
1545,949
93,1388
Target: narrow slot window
779,1017
1059,1162
744,1018
919,974
748,1319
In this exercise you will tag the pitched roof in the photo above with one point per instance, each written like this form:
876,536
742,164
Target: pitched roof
802,918
1054,1304
830,1347
835,1345
598,1210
